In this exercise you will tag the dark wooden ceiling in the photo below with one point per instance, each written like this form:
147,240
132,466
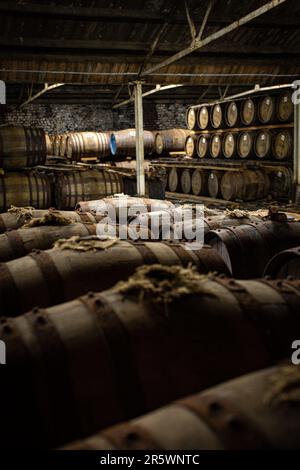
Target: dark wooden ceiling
105,43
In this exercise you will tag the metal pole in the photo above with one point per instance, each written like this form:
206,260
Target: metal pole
297,153
138,107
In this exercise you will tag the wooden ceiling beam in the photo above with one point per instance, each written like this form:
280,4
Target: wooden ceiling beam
138,16
218,35
221,47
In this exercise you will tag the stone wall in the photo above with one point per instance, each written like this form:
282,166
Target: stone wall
57,118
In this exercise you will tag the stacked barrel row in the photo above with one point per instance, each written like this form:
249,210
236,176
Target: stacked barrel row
22,149
115,145
260,144
236,129
63,190
246,112
240,184
66,320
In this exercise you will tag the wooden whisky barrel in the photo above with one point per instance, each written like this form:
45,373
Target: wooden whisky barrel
214,183
281,180
21,147
123,143
191,119
216,116
283,145
120,201
17,217
87,144
202,146
172,140
50,277
228,220
190,146
99,349
285,107
245,144
203,118
248,248
25,189
252,423
231,114
263,143
266,109
229,145
284,265
186,181
173,180
76,186
246,185
215,146
248,112
199,183
17,243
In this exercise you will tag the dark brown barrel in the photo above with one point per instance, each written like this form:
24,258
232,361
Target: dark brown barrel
248,112
138,204
78,266
229,219
210,223
191,119
185,181
172,140
231,114
203,118
252,422
281,182
263,143
229,145
21,146
190,146
215,146
245,144
203,146
246,185
17,243
28,189
283,145
216,116
76,186
266,109
87,144
17,217
285,107
285,265
199,183
173,180
100,350
214,183
247,249
123,143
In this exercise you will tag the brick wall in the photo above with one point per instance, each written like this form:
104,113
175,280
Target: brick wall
57,118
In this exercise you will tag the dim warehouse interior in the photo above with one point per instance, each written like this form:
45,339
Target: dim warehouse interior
150,225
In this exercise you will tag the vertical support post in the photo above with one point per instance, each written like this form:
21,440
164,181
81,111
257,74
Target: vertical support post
297,152
139,129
